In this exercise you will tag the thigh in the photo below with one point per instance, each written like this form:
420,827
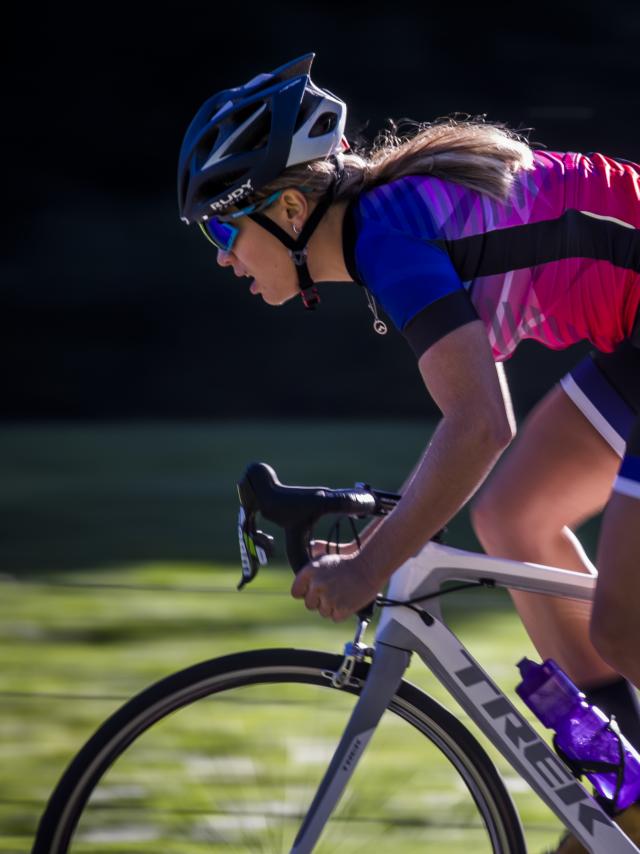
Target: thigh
618,591
558,471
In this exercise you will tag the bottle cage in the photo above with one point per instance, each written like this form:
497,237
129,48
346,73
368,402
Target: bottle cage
579,767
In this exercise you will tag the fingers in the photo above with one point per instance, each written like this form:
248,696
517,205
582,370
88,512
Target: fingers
313,593
301,583
320,595
303,587
324,609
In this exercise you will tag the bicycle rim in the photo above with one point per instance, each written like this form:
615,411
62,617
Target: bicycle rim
226,756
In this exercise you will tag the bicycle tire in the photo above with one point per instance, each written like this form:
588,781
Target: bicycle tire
272,667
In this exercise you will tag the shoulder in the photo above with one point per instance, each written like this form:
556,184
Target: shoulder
393,221
394,234
398,257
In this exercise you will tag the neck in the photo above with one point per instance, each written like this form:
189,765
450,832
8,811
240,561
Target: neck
325,256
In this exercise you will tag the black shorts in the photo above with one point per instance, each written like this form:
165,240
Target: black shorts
606,389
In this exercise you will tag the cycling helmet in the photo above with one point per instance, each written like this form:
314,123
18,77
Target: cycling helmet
243,138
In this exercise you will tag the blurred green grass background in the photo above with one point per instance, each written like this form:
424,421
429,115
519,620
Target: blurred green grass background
113,532
79,495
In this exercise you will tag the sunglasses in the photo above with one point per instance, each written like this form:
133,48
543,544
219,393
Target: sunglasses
220,230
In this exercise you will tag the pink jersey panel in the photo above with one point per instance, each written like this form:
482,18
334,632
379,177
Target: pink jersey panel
594,183
555,302
558,304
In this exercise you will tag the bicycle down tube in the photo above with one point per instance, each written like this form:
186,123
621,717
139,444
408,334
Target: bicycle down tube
402,630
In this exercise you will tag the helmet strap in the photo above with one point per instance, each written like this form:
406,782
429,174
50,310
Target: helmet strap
298,246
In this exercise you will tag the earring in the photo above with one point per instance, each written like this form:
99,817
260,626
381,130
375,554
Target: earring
295,230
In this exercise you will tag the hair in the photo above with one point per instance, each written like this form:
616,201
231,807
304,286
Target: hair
483,156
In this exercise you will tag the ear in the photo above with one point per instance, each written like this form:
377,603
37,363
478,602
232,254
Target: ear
295,207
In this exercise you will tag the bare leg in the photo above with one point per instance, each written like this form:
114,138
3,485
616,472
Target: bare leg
616,612
558,473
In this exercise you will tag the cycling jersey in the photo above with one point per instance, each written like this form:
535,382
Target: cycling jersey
558,262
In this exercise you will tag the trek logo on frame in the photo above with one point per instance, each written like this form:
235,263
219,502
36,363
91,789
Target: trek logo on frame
531,748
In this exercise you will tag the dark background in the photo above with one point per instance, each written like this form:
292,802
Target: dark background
112,308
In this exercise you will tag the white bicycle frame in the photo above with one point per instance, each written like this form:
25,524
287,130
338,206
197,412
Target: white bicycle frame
402,631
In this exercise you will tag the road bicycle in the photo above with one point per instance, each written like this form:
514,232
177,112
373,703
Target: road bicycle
257,751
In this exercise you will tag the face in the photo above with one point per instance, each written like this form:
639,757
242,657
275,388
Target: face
259,255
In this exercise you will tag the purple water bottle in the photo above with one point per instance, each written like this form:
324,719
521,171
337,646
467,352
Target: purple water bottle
584,734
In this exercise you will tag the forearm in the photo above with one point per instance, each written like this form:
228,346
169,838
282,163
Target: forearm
459,457
372,527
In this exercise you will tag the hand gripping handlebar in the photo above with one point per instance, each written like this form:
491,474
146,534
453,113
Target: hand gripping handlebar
295,509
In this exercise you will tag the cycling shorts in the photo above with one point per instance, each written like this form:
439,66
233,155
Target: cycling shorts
606,389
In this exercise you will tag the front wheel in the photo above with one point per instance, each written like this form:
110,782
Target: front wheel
227,755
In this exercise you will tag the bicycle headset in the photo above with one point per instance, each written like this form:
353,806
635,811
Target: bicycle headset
243,138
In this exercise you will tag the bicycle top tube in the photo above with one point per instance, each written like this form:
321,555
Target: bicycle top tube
296,509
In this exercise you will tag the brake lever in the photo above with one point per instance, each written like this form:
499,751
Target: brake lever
256,547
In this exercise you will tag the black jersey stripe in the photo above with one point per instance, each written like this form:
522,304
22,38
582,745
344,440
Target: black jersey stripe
572,235
438,319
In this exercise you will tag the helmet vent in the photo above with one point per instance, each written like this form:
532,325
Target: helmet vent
254,135
205,146
242,138
324,124
240,116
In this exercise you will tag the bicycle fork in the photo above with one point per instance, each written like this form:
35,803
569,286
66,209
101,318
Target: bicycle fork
383,679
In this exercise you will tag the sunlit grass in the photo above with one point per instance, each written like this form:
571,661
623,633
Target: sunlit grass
145,513
69,655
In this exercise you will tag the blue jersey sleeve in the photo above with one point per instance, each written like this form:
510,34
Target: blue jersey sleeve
415,283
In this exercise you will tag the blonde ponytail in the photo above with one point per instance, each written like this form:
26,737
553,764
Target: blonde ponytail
480,155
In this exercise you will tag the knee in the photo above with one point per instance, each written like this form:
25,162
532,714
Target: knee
494,516
516,525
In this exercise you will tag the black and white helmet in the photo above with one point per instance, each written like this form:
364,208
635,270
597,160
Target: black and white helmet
241,139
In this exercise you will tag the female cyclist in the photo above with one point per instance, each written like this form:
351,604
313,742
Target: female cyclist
470,241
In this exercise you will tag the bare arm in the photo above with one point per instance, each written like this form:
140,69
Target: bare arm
476,426
320,547
461,376
351,548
